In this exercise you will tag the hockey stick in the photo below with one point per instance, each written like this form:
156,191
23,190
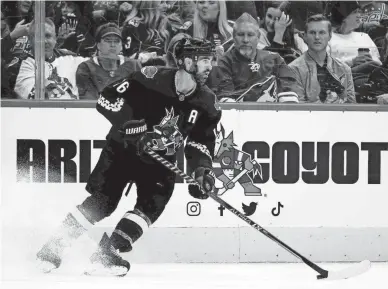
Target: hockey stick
352,271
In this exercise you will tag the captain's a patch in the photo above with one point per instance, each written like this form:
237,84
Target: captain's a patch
149,71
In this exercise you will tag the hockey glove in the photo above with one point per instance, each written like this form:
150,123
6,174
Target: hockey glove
203,177
133,133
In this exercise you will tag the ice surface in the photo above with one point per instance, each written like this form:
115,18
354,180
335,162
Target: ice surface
23,235
19,271
177,276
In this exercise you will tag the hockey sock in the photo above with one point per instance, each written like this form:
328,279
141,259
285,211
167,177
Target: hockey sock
73,226
129,229
97,207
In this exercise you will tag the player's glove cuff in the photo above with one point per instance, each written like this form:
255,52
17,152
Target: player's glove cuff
133,133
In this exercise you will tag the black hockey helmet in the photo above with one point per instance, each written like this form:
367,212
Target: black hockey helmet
192,48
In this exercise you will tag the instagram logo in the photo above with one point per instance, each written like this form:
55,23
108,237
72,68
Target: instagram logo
193,208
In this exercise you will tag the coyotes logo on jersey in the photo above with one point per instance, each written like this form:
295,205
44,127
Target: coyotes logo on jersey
166,135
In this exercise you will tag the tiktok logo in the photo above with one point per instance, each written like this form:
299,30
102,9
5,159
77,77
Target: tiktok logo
276,211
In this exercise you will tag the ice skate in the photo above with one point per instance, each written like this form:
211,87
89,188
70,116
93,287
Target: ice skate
250,189
50,256
106,261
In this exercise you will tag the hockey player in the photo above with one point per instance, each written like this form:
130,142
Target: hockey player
155,108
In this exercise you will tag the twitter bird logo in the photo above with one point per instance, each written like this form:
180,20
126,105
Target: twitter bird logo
249,210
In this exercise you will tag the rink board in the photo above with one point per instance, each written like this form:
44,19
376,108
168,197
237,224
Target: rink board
335,213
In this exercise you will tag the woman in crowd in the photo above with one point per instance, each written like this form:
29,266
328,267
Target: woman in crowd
345,42
183,9
102,12
210,22
147,31
105,68
277,33
16,11
356,49
75,31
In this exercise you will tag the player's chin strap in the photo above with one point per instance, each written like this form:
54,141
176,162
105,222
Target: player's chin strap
352,271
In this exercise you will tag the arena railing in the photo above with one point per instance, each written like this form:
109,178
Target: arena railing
224,106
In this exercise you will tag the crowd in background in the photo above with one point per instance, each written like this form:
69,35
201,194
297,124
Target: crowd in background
90,44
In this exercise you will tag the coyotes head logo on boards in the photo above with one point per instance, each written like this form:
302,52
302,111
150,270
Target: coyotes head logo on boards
231,165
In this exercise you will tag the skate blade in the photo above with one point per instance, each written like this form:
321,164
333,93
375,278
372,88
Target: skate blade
45,266
100,270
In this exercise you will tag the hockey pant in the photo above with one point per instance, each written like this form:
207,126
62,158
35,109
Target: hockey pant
115,168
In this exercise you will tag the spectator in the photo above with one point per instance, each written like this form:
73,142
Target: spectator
210,22
17,11
251,74
8,38
107,67
237,8
300,11
11,55
184,9
147,34
76,30
374,22
356,49
110,11
277,33
6,46
18,15
60,69
177,12
321,78
345,42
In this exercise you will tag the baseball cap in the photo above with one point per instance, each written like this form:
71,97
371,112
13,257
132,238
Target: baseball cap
107,30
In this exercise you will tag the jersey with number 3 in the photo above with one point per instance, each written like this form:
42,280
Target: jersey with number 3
136,40
150,94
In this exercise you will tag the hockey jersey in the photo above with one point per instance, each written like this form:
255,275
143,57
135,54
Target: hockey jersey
91,78
135,39
150,94
59,76
266,74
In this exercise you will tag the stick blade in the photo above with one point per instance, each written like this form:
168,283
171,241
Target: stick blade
352,271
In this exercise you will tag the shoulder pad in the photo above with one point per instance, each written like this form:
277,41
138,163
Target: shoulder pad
186,25
149,71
